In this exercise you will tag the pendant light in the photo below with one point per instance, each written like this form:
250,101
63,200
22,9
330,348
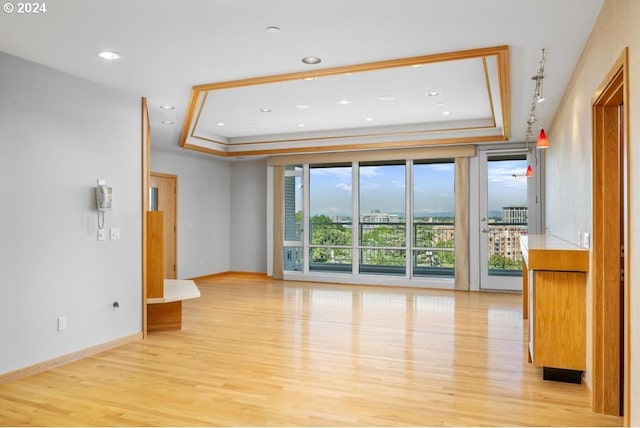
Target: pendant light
542,143
538,98
529,172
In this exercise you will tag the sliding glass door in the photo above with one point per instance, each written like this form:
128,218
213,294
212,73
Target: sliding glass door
504,217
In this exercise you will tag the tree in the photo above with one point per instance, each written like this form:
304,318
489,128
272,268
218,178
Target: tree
500,262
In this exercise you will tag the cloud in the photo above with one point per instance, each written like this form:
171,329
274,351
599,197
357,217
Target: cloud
369,171
344,186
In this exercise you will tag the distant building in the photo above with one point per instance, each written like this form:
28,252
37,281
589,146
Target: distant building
514,214
376,216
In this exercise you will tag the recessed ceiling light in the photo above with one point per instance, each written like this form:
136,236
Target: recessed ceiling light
311,60
310,78
273,29
446,113
109,55
265,110
167,107
433,93
220,123
440,104
167,122
386,98
301,125
303,106
417,65
368,119
344,102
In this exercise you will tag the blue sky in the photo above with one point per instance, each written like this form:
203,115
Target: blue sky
382,188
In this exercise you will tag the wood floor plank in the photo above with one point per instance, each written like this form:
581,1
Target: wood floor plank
261,352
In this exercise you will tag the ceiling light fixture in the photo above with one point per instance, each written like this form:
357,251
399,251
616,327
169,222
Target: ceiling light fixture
109,55
543,143
368,119
433,94
386,98
344,102
446,113
538,98
310,78
303,106
265,110
167,107
167,122
311,60
220,123
301,125
273,29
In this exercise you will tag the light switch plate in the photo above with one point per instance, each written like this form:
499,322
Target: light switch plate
115,233
101,234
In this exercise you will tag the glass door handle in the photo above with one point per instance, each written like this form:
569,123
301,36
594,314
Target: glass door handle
485,230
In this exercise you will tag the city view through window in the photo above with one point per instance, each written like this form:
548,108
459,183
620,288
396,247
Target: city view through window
385,239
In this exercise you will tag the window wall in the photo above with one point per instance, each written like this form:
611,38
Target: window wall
392,218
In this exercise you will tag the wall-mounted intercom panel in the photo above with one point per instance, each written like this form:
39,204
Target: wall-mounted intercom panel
104,201
104,197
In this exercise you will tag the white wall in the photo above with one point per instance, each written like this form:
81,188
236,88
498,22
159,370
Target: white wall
248,216
569,171
203,209
58,135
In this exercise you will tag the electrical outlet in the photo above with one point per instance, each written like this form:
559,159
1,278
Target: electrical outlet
62,323
101,234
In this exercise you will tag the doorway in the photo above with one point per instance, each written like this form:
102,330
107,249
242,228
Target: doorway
610,108
163,196
505,211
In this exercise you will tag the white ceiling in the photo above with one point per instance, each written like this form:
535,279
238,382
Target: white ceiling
168,46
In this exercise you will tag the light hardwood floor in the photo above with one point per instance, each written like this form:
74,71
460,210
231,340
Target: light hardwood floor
262,352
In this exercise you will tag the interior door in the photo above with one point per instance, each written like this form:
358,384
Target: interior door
504,217
163,197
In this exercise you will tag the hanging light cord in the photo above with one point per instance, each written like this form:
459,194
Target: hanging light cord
538,98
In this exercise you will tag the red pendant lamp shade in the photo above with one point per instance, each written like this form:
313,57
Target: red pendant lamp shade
529,172
543,143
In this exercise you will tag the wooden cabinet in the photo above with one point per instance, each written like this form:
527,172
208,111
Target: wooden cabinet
554,301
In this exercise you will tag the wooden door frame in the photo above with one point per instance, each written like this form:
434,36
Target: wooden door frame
606,310
146,161
175,214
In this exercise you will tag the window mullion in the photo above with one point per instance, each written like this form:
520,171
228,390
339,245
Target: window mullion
355,217
409,218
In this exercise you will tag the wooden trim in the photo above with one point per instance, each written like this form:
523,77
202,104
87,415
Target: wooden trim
350,147
68,358
146,162
610,195
376,155
344,137
196,102
377,65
